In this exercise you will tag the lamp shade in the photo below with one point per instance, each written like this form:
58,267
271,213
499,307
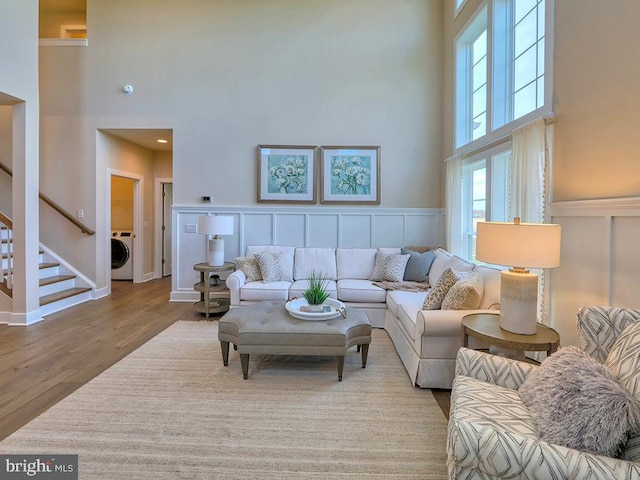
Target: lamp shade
215,225
527,245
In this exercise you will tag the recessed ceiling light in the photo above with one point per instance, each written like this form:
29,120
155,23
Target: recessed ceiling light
162,140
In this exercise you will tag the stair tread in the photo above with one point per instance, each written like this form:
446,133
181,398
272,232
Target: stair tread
5,289
48,265
55,279
54,297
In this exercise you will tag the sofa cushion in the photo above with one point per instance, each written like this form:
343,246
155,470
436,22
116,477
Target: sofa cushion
319,260
275,266
355,263
360,291
491,278
465,294
575,401
439,291
249,265
260,291
401,297
300,286
418,266
444,260
389,267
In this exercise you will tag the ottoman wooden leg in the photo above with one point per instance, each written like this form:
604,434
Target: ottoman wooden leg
244,360
340,367
365,352
225,353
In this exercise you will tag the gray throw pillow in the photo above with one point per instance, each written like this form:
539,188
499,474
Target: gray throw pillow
574,401
418,265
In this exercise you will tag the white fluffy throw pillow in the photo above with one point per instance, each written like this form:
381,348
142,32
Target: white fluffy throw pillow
575,401
389,267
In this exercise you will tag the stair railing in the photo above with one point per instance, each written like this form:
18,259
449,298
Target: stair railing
6,266
83,228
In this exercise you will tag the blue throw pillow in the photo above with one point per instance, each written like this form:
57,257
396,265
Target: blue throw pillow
418,266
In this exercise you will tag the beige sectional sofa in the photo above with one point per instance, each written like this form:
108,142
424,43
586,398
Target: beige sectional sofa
427,341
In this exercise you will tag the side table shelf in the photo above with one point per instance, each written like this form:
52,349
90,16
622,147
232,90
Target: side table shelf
213,298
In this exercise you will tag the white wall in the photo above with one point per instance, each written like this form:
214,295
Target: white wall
19,87
599,259
596,96
227,76
6,120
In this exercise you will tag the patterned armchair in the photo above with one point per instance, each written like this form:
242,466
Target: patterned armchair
491,434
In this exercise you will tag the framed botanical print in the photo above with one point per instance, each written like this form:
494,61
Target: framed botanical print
350,175
286,174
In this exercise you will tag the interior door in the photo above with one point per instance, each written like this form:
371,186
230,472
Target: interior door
167,201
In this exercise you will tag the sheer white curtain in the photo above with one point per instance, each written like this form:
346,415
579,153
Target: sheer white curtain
528,172
530,166
454,205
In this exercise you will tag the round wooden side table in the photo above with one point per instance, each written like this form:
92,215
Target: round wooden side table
213,298
486,328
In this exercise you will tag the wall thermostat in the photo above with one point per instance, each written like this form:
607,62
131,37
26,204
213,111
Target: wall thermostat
127,88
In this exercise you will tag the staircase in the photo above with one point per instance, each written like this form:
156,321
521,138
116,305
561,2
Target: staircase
60,285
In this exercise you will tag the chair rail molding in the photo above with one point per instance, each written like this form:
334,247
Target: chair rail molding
300,226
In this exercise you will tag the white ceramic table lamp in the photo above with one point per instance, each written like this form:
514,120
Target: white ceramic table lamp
213,226
519,246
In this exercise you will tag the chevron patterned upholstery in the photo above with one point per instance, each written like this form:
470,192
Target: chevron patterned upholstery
490,433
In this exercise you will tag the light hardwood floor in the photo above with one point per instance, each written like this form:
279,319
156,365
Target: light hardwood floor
43,363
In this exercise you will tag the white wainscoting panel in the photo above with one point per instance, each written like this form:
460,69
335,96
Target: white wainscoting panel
322,230
355,230
301,227
599,259
289,229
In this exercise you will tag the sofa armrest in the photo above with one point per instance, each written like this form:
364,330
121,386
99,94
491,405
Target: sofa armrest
442,323
505,372
234,282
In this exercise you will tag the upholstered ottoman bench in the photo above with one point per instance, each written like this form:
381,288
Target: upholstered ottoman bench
266,328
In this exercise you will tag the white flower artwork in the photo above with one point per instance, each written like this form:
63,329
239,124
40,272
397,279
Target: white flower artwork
350,175
286,174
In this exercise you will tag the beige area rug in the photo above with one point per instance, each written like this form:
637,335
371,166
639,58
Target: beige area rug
172,410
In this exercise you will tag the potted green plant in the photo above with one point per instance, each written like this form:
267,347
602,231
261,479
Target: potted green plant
316,293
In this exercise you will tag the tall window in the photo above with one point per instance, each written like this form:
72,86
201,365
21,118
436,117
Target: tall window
472,80
500,67
485,194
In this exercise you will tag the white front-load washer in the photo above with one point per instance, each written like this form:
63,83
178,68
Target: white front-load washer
121,255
